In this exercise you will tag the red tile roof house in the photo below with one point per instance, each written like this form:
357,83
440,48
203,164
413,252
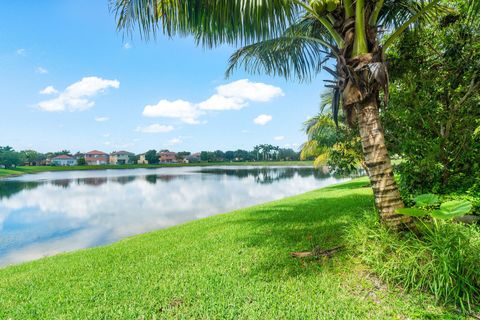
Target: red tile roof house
96,157
168,157
64,160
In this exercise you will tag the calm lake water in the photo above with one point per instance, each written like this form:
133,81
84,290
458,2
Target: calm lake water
53,212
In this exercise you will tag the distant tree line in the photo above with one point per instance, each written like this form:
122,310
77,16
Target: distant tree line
263,152
10,158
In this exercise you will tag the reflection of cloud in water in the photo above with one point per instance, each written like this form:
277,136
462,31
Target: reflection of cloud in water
100,213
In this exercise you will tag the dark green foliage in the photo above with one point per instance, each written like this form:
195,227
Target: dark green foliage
434,107
10,158
81,162
151,156
443,260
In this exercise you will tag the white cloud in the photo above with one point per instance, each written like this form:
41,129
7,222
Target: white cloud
76,96
232,96
247,90
49,90
218,102
175,141
155,128
179,109
106,135
21,52
102,119
41,70
278,138
262,119
127,45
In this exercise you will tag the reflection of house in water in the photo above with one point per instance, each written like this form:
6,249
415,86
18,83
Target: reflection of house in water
64,183
154,178
96,181
124,179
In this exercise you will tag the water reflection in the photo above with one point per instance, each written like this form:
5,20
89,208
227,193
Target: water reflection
49,213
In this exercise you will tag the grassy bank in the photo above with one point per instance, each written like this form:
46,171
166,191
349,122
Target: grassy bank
36,169
231,266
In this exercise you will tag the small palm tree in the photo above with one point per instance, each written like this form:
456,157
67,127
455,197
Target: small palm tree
330,142
294,39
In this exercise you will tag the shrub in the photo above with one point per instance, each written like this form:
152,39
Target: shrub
444,261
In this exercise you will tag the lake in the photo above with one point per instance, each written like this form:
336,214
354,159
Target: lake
52,212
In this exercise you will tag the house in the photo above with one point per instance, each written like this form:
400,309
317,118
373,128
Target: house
121,157
193,158
168,157
64,160
142,159
96,157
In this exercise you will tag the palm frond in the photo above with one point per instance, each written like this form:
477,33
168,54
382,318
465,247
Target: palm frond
399,15
298,53
211,22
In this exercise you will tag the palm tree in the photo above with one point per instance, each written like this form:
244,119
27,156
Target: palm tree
294,39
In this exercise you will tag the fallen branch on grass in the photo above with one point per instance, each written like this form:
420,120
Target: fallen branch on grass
317,252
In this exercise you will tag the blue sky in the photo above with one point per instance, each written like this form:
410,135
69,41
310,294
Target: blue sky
103,91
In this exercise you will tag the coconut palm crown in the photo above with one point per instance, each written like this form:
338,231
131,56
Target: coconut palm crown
295,39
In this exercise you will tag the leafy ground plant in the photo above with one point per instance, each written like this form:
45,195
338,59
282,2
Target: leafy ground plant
441,258
426,205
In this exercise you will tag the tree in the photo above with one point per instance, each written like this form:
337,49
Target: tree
289,38
9,157
81,161
151,156
32,157
182,155
229,156
332,144
433,115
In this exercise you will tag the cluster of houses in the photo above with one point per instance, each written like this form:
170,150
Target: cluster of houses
96,157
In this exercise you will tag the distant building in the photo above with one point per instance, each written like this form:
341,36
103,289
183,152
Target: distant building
121,157
63,160
168,157
193,158
142,159
96,157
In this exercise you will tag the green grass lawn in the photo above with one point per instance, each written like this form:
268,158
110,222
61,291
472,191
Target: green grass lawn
230,266
36,169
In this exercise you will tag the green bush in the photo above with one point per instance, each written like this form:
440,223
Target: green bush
444,261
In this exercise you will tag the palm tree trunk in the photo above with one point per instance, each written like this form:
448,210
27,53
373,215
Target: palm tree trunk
379,167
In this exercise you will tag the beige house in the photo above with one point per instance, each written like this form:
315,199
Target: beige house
142,159
120,157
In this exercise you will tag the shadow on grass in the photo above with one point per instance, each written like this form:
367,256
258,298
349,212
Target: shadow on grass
301,226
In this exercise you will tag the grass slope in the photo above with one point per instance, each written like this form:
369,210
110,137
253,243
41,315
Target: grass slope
36,169
230,266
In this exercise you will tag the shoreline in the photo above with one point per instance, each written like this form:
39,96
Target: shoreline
22,170
240,259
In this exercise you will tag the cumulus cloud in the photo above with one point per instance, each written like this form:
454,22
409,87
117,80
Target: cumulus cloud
21,52
232,96
102,119
155,128
262,119
279,138
247,90
77,96
218,102
41,70
49,90
180,109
